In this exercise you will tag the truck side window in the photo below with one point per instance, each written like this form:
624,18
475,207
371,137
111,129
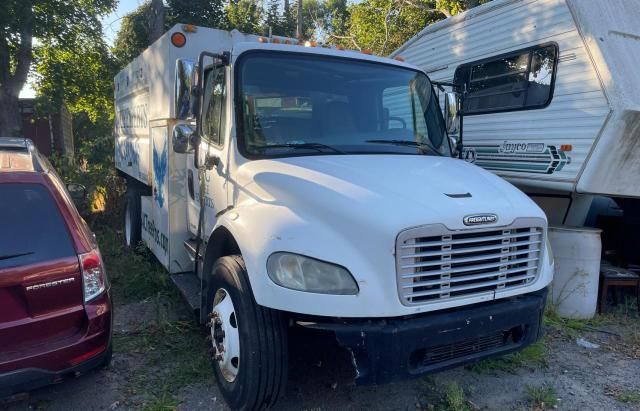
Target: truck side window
213,115
518,80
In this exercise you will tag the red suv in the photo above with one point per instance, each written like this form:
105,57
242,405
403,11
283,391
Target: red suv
55,300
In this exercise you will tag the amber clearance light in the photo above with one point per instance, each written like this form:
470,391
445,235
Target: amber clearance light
178,39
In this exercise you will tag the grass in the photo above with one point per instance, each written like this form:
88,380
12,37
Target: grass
533,356
164,355
447,396
167,357
628,396
164,403
133,276
542,397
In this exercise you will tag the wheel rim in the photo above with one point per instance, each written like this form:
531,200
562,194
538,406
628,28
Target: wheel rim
225,336
127,226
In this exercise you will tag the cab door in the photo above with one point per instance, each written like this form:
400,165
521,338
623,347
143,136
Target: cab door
210,175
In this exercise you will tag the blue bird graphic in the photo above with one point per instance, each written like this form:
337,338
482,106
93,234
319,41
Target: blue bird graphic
160,172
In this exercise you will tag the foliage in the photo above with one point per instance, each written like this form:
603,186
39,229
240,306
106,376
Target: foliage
244,15
209,13
446,397
133,36
384,25
81,78
628,396
533,356
63,25
541,398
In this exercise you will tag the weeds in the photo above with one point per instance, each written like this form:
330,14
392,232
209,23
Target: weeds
569,327
163,403
628,396
541,398
172,354
533,356
445,397
134,276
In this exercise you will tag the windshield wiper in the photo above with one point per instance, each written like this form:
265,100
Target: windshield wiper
313,146
408,143
9,256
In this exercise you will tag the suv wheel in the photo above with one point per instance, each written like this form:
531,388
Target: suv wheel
249,342
132,225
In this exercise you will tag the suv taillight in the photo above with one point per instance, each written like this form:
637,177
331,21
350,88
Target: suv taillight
94,279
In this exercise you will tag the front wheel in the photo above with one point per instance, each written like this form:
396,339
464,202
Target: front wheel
249,342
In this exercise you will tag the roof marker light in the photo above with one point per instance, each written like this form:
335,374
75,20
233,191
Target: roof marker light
339,47
399,58
178,39
275,41
263,40
189,28
365,51
566,147
310,44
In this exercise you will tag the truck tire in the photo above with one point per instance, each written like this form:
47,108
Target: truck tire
132,226
249,342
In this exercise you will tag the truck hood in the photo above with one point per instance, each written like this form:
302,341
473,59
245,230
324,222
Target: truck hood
385,192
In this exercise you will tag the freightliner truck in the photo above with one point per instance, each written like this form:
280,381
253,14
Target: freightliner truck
287,185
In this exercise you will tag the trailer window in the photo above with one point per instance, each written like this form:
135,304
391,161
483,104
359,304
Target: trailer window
516,81
214,118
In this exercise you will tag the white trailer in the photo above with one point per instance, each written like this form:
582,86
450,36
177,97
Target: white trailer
284,185
552,96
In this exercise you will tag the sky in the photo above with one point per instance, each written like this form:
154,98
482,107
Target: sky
110,27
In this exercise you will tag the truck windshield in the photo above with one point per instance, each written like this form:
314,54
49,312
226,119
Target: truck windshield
293,104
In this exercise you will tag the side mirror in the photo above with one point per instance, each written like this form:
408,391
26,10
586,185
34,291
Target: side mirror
185,84
184,139
78,192
452,112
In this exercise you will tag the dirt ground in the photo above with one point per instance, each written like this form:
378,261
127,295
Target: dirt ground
567,377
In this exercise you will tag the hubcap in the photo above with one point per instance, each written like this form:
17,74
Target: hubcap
224,335
127,226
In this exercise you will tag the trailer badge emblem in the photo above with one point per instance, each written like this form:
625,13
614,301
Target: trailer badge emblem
477,219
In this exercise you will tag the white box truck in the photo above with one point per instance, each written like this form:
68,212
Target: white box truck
552,98
291,186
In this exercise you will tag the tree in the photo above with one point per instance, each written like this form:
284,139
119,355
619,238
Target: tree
384,25
208,13
61,22
133,36
156,20
272,18
244,15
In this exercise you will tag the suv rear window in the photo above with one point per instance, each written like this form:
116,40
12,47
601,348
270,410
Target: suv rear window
32,228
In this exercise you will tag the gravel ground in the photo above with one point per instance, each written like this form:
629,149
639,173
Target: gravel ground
320,376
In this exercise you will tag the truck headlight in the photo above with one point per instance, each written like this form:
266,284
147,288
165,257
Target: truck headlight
308,274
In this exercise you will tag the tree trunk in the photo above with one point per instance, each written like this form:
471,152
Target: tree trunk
10,119
299,21
14,67
156,20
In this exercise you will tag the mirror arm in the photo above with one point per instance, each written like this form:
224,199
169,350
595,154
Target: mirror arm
461,114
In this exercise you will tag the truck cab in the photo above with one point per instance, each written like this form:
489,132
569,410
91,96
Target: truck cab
285,186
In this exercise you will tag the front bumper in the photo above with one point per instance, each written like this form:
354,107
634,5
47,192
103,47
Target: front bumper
388,349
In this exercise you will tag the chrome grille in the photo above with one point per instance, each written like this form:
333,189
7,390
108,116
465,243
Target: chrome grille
435,264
